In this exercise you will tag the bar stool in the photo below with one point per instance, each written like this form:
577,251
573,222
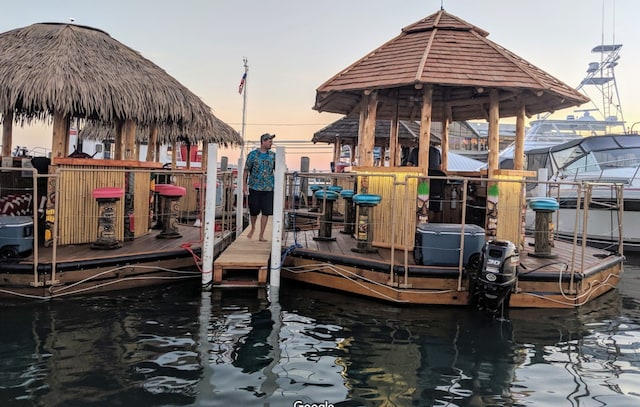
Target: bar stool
314,201
169,196
349,212
107,198
326,222
544,208
365,203
336,189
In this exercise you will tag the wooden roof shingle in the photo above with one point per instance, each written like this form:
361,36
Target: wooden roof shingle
462,64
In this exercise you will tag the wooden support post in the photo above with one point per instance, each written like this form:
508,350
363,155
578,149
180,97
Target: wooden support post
60,146
425,128
7,137
494,132
151,146
129,135
367,138
518,155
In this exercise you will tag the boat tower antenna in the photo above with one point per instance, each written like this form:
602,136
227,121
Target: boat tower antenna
240,182
602,76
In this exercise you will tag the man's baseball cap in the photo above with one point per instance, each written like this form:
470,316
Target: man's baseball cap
266,136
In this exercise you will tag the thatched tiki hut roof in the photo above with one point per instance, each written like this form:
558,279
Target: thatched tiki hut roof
442,68
68,71
345,132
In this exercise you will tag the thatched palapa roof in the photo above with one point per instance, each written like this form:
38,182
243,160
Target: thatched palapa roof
83,73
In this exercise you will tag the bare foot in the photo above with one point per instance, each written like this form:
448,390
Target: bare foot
262,239
250,234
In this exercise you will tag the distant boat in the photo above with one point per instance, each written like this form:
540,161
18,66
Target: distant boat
596,160
605,117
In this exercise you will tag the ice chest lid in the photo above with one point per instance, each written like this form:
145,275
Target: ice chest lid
15,221
449,229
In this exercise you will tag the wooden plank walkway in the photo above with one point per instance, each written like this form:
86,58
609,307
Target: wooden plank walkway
245,262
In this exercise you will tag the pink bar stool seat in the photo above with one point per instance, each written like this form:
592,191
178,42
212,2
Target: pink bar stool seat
170,190
107,193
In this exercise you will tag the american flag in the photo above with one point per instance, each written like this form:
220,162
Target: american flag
242,81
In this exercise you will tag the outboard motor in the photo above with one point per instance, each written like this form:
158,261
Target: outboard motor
492,283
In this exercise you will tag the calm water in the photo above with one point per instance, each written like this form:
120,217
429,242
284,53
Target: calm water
177,346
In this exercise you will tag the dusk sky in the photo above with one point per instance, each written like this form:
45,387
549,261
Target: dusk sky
293,46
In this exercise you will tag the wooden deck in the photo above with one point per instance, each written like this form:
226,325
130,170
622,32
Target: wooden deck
343,244
572,278
143,245
245,262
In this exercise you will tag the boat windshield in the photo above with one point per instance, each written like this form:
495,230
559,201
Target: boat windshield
601,161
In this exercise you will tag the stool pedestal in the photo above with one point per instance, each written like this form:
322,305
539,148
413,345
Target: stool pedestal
169,196
326,221
106,199
364,236
349,212
544,209
314,200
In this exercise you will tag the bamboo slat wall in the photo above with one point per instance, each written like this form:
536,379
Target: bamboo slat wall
510,203
77,216
389,215
141,197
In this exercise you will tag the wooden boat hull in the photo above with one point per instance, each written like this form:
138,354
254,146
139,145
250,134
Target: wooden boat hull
80,270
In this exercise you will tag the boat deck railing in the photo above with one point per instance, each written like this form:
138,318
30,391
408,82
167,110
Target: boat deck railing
65,213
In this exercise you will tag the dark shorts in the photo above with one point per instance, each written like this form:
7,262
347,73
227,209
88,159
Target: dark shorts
260,202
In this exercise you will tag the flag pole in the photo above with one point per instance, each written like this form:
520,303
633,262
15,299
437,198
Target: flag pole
240,188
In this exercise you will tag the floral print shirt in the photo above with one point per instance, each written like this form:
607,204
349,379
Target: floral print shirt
260,167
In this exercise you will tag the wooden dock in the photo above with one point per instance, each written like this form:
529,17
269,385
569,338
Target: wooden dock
245,262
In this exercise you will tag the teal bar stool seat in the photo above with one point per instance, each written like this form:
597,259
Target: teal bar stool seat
364,236
326,221
349,212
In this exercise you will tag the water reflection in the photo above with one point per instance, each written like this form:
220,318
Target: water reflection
180,346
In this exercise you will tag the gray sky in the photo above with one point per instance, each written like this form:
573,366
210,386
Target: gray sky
293,46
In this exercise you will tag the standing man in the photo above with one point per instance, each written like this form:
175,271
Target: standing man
258,183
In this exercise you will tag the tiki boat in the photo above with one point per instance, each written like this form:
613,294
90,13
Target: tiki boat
71,224
394,245
428,234
145,228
